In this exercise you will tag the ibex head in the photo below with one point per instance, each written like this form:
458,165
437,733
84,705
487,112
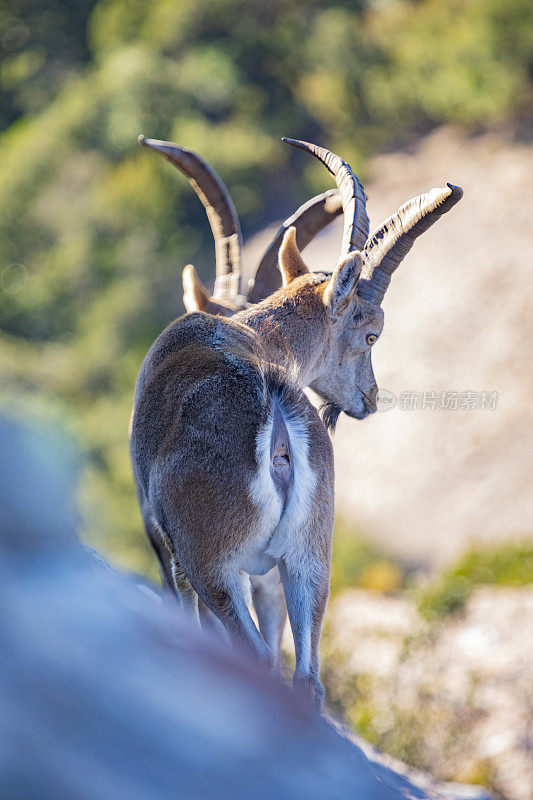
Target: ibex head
343,307
343,378
353,294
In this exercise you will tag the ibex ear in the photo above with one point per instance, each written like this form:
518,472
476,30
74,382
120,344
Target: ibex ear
291,263
341,286
195,295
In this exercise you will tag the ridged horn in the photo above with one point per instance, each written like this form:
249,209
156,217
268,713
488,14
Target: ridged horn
220,210
308,220
391,242
352,195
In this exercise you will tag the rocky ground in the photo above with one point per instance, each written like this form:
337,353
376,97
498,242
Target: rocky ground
454,698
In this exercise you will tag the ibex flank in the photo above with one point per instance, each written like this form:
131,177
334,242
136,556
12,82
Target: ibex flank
232,463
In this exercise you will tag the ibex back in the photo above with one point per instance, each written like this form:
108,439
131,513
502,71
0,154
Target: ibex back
233,465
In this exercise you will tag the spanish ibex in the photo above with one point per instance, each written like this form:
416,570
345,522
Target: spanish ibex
233,465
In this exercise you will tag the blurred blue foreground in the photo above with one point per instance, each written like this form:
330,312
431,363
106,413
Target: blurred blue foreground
106,692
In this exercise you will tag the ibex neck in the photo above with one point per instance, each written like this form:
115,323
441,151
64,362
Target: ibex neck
291,331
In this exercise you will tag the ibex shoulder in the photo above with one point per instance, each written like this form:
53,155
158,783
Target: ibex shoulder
193,330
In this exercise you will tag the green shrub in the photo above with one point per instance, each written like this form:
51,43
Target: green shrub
507,565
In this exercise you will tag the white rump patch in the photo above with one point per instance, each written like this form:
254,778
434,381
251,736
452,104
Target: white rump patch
264,496
279,532
286,541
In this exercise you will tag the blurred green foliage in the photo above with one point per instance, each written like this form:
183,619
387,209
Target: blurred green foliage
356,562
510,565
93,230
41,45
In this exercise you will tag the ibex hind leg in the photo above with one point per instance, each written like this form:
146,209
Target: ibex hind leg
210,622
306,598
302,547
305,570
227,600
269,605
172,575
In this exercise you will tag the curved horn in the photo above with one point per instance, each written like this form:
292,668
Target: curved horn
308,220
352,194
220,212
391,242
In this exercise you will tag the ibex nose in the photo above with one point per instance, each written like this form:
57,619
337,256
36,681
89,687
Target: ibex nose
373,397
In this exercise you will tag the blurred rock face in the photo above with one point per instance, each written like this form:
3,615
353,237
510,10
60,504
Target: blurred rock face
36,488
107,693
424,481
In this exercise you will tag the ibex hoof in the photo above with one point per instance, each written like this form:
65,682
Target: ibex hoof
311,689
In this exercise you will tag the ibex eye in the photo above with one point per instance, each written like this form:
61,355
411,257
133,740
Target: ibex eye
371,338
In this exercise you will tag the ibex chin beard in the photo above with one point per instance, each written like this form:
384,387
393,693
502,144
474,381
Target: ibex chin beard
330,413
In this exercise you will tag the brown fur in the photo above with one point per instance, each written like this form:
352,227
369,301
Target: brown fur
205,390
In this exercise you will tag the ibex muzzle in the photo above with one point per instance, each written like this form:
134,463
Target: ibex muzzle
233,465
